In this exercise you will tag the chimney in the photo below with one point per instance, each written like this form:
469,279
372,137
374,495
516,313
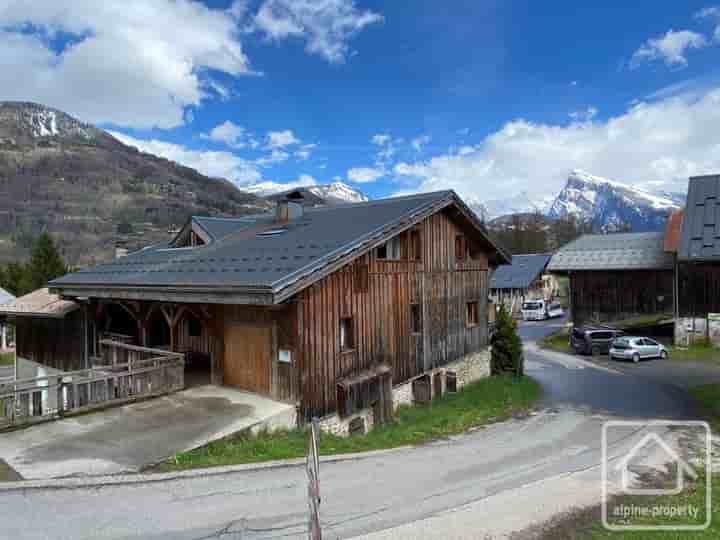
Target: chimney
288,211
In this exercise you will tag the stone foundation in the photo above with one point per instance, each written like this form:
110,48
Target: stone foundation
467,369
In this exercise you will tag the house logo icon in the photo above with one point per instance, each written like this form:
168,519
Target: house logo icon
653,442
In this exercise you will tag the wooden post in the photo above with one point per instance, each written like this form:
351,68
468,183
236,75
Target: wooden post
313,472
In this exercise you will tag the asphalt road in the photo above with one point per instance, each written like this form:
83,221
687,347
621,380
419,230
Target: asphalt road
371,494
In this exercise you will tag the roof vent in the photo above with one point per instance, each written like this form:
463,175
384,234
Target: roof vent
287,211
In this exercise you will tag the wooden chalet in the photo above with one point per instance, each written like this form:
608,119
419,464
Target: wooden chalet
617,276
698,259
318,306
513,284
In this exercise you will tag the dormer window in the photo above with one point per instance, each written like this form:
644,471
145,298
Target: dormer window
191,235
390,250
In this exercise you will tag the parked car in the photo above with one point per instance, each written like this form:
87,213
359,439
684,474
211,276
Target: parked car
636,348
593,340
554,310
539,310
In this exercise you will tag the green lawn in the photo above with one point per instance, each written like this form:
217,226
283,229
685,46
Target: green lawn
709,396
480,403
696,353
559,341
7,359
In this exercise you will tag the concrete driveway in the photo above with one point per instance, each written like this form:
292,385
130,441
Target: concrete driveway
125,439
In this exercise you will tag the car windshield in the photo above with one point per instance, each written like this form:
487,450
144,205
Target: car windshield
621,343
532,305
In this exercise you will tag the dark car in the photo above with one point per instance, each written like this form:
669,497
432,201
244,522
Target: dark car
594,339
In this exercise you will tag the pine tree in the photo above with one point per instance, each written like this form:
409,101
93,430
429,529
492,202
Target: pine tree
45,262
507,350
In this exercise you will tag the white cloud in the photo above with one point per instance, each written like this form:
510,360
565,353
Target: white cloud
270,187
362,175
585,115
712,12
418,142
670,48
210,163
276,156
304,152
662,142
326,25
230,134
381,139
134,63
280,139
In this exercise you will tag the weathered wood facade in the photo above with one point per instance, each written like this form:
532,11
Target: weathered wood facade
57,343
617,295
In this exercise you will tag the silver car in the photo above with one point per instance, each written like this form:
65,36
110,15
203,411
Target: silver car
637,348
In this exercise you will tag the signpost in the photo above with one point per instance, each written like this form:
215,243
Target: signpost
313,472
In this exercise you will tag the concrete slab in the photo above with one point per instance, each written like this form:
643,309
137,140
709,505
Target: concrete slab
126,439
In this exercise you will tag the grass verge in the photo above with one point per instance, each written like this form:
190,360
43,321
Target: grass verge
558,341
700,352
7,359
489,400
709,396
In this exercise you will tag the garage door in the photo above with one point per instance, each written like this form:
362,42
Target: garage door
247,358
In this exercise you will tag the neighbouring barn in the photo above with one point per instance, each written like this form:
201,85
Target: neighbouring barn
523,279
617,276
345,311
698,258
5,297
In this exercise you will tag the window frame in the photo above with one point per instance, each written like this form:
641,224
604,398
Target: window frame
393,250
415,245
472,314
347,334
416,319
460,248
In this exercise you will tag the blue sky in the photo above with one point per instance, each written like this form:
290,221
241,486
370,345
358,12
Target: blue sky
489,98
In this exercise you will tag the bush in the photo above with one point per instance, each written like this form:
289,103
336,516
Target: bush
507,350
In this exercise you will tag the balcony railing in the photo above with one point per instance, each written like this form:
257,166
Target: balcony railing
123,373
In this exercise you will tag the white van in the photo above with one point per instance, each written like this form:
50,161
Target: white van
539,310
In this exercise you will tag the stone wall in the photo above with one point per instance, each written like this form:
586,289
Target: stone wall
470,368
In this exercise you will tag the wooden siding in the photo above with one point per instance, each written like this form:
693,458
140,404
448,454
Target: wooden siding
616,295
378,295
699,289
57,343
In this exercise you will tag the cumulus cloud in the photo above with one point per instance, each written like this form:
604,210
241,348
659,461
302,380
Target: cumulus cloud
713,13
584,115
326,26
670,48
381,139
210,163
418,142
232,135
280,139
363,175
136,63
653,144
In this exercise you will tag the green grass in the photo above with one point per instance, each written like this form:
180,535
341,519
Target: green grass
480,403
559,341
699,352
7,359
640,322
709,396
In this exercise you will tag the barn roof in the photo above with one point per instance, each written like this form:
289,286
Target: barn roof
521,273
700,238
259,255
5,296
620,251
39,303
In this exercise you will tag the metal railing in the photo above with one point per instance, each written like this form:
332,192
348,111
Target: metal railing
123,374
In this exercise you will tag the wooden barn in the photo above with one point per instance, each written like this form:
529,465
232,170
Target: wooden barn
617,276
698,258
337,309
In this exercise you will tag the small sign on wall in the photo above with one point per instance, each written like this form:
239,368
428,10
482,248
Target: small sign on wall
285,356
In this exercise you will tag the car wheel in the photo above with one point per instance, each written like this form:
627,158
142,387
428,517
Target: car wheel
636,358
663,355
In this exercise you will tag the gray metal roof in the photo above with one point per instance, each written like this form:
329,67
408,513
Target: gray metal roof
521,273
5,296
700,237
620,251
260,254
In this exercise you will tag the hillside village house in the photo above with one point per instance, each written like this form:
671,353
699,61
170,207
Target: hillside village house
617,276
344,311
523,279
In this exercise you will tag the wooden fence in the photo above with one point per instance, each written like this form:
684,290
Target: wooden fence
123,374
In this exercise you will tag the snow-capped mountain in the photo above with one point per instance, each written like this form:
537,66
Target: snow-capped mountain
335,193
610,206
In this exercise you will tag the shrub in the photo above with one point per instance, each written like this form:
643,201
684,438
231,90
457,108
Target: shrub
507,350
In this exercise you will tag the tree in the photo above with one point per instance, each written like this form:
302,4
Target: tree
46,263
507,350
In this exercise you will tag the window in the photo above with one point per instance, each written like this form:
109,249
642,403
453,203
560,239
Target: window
472,314
347,335
460,247
416,318
390,250
415,251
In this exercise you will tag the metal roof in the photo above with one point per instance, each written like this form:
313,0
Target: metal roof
620,251
39,303
700,238
521,273
261,255
5,296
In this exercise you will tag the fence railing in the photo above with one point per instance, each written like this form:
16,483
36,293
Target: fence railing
122,374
